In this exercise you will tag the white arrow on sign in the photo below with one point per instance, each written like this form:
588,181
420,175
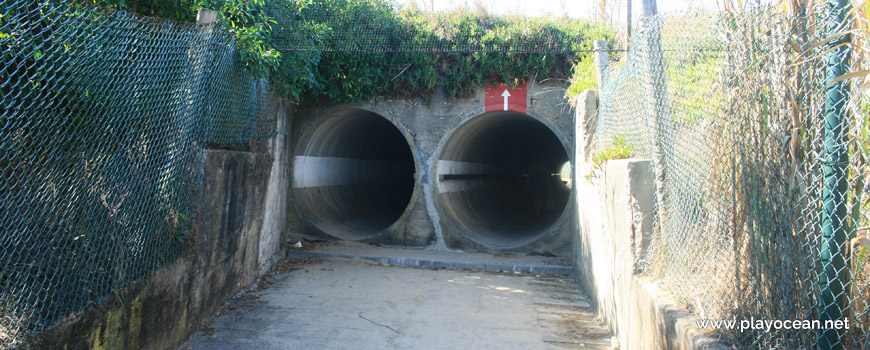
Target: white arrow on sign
505,94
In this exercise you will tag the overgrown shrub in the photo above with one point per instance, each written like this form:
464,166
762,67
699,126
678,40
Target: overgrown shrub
352,50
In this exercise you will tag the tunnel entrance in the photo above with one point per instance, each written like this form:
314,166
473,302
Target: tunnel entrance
498,178
353,174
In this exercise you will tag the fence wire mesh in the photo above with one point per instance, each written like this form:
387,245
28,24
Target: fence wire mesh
104,120
731,108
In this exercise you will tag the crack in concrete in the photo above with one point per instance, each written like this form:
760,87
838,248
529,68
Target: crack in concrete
375,323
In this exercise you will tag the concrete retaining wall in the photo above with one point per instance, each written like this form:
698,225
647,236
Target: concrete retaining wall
614,222
236,237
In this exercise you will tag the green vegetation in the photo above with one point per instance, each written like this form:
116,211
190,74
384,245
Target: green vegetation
375,49
692,72
583,78
249,21
619,150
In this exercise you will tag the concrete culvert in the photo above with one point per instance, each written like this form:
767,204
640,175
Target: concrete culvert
498,178
353,174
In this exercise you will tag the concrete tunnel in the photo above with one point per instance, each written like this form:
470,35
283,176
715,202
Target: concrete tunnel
483,178
355,172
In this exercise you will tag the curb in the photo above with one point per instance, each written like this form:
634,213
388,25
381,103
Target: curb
430,263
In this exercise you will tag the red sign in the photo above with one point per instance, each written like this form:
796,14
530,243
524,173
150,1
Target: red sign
503,98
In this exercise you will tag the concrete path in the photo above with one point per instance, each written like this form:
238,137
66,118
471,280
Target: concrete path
339,303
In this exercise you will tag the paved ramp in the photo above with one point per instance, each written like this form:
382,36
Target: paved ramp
340,303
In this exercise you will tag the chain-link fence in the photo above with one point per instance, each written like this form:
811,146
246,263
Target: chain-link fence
103,123
761,167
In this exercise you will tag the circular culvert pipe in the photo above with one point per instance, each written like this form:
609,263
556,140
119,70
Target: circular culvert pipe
498,179
353,174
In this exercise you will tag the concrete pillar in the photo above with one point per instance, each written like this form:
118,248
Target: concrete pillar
278,184
585,121
206,16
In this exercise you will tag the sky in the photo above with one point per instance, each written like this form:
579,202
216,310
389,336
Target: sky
616,9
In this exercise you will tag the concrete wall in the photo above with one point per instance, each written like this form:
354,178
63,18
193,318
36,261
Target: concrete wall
236,237
277,200
615,208
426,126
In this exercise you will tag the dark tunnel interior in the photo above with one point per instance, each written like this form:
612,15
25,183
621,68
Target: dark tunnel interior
498,178
354,174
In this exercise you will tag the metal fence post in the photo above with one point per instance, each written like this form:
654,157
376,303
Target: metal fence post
205,125
627,27
834,240
601,62
656,104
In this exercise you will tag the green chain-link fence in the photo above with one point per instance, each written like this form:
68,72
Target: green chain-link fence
761,165
102,128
